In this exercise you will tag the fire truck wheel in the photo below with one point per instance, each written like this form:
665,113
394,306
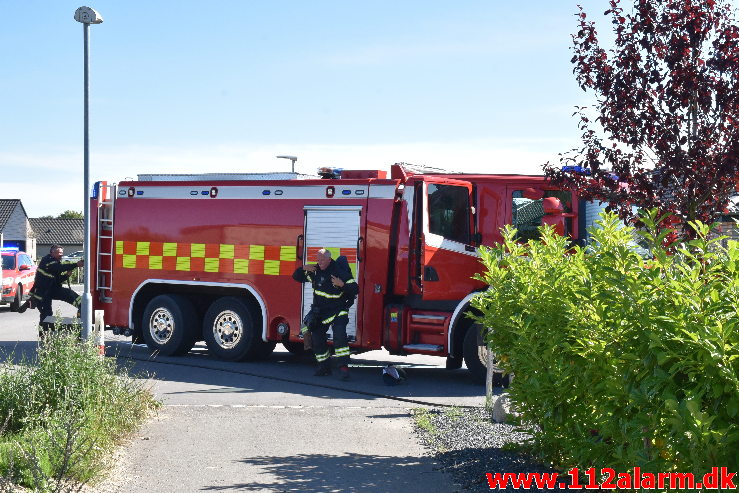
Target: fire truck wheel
170,324
229,331
475,354
264,349
18,300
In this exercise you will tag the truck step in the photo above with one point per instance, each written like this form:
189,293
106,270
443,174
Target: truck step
423,347
428,319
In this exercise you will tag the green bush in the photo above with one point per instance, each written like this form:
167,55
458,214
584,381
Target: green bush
620,360
62,414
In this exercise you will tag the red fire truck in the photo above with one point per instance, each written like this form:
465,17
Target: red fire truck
181,259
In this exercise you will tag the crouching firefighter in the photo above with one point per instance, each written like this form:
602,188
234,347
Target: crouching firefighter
47,286
334,290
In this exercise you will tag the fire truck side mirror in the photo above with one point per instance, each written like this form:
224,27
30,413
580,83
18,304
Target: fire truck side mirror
552,205
554,215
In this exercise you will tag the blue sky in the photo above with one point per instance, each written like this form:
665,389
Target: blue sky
186,86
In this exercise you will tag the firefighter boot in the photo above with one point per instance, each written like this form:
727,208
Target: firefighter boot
344,373
324,369
307,339
24,306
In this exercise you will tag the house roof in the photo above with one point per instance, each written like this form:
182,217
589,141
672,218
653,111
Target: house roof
60,231
7,206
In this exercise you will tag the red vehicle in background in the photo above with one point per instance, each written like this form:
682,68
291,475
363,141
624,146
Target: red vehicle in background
19,271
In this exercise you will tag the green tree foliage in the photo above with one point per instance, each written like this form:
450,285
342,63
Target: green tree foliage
71,215
620,360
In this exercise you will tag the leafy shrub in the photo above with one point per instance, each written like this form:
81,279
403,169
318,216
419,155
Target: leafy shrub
64,412
620,360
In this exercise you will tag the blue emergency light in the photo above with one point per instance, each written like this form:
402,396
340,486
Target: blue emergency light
576,169
330,172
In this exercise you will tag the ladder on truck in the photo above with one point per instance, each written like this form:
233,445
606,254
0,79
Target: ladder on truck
105,243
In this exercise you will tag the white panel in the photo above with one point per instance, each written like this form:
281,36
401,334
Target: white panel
592,211
408,196
382,191
288,190
332,227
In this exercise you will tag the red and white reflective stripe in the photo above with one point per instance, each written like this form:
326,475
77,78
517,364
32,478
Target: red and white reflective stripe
437,241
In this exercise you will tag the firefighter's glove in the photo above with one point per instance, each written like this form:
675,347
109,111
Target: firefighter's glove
309,318
337,282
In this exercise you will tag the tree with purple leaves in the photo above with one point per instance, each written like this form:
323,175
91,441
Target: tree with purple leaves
666,134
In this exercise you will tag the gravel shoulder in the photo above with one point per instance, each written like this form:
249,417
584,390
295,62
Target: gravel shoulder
468,444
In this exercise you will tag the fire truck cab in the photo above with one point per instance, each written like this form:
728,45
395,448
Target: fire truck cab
181,259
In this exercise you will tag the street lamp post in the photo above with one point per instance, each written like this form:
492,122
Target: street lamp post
87,16
291,158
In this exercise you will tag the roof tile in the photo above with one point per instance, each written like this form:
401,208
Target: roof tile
62,231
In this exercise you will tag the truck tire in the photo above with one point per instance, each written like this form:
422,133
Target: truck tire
18,300
169,324
264,349
475,354
230,333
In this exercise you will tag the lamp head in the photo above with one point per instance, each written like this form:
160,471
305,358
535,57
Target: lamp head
86,15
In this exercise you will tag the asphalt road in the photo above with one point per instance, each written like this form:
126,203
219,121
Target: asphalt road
271,426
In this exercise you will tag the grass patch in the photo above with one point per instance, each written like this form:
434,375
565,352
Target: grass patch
63,413
453,413
423,420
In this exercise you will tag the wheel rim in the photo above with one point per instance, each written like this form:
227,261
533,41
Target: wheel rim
161,325
482,353
228,329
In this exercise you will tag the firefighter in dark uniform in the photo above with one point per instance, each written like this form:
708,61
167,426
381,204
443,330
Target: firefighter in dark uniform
50,274
334,290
